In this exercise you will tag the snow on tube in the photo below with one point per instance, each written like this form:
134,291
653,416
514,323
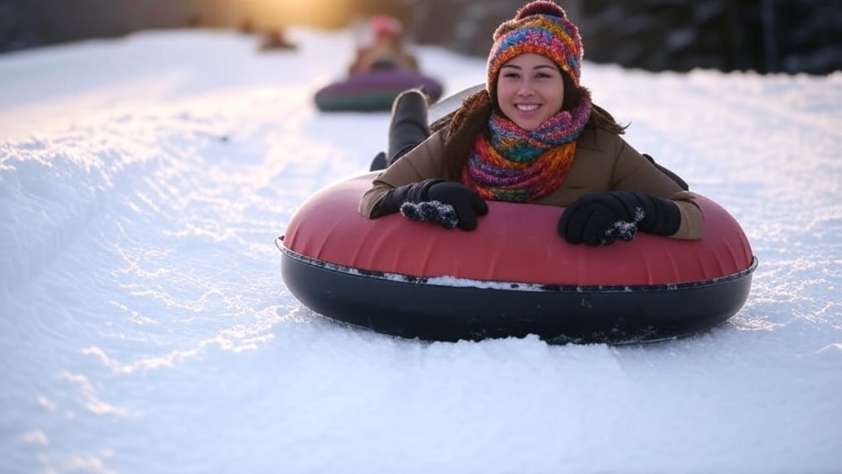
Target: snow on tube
512,276
375,90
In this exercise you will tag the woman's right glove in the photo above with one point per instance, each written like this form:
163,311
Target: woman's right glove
601,218
448,203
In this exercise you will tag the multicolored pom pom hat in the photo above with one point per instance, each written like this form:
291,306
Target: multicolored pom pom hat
539,27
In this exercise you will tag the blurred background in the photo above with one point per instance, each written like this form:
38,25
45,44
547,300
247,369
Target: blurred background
761,35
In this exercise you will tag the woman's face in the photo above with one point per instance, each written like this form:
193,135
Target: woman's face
530,89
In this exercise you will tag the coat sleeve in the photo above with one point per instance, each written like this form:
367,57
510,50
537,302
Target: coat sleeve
633,172
422,162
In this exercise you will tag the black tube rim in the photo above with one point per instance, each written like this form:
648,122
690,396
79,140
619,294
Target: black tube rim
517,286
413,307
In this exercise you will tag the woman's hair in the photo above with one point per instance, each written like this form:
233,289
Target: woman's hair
471,119
600,118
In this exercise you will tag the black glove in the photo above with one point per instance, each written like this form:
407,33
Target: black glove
431,211
431,200
601,218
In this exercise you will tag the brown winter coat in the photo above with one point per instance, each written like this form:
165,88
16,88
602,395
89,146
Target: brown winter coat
603,162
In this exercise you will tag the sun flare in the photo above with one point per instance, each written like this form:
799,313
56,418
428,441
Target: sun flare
314,12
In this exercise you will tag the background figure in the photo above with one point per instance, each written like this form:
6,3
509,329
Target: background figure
383,47
275,39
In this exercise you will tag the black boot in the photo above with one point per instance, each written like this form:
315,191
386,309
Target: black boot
378,163
409,126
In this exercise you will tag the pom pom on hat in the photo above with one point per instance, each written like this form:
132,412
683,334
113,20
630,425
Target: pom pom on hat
540,7
539,27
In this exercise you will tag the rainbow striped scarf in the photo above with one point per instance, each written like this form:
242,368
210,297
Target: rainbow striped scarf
517,165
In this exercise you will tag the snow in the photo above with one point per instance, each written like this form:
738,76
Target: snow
144,326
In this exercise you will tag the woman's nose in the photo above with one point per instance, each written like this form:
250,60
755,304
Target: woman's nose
525,88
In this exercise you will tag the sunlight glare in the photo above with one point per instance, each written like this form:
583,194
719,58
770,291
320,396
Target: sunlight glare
314,12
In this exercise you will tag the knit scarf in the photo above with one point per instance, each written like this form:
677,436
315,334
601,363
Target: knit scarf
518,165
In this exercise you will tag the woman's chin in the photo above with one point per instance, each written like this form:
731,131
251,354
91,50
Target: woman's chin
528,124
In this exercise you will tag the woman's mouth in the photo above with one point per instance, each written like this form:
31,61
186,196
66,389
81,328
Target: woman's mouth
527,107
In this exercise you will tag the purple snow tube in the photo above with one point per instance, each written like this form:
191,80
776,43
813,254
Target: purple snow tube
375,90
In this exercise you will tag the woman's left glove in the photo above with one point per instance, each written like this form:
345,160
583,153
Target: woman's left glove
601,218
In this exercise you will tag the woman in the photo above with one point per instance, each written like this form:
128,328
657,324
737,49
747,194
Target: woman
533,136
386,49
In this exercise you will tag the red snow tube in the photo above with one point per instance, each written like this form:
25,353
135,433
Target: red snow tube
374,90
512,276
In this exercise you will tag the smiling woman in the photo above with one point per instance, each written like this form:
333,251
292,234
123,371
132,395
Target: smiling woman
533,135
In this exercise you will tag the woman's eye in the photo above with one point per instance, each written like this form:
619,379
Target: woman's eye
511,75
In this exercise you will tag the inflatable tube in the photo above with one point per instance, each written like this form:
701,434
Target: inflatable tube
373,91
441,111
512,276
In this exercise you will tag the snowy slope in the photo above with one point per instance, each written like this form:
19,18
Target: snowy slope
144,326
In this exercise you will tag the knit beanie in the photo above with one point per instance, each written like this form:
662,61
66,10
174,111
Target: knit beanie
539,27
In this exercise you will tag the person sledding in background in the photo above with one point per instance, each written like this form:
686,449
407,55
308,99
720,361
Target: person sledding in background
383,48
275,39
532,136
